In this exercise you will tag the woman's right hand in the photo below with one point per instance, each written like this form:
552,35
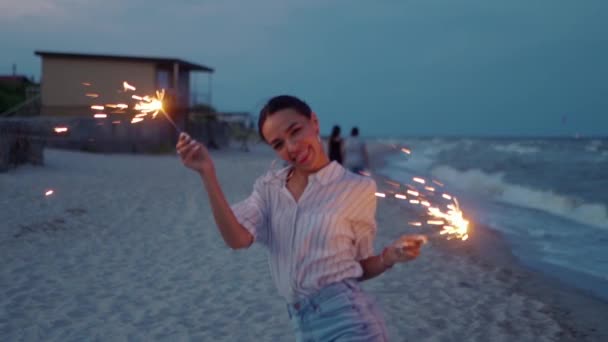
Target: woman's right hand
193,154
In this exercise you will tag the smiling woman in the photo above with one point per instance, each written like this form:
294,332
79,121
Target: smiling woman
317,221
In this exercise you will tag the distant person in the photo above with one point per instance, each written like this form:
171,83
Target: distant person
355,157
336,145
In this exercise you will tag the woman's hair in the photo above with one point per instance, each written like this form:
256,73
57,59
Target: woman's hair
279,103
354,132
335,132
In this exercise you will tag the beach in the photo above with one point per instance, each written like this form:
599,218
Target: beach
125,248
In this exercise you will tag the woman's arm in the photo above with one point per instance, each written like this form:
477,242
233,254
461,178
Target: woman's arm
406,248
374,266
234,234
195,156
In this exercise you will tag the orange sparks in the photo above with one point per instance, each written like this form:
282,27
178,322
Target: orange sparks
100,116
417,224
400,196
93,95
435,222
437,182
419,180
97,107
394,184
406,151
413,193
60,129
137,97
425,203
136,120
415,201
429,188
446,196
127,86
379,194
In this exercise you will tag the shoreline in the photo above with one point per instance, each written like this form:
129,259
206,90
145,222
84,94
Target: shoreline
580,313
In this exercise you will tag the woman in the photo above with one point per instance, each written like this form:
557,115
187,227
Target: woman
317,222
356,158
335,145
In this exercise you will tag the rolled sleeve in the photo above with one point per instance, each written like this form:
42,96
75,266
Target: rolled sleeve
365,225
252,213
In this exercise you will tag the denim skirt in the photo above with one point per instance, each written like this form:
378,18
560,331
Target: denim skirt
338,312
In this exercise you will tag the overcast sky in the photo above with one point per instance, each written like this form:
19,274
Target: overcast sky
393,67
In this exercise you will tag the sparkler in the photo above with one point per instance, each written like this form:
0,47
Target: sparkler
146,105
441,209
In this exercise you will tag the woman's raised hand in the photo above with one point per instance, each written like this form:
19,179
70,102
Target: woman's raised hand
193,154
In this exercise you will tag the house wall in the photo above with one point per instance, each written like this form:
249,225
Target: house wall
63,91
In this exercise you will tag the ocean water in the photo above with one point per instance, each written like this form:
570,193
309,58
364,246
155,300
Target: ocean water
549,197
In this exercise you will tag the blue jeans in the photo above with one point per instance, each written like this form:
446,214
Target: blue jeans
338,312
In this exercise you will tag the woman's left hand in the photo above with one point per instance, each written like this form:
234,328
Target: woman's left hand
404,249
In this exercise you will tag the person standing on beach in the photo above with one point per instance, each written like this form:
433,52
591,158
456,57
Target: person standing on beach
317,222
335,145
355,158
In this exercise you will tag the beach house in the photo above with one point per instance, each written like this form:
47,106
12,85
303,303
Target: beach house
72,82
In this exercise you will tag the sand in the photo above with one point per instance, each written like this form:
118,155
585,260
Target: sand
126,249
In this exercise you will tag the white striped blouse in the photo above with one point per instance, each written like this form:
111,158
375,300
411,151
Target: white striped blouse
318,240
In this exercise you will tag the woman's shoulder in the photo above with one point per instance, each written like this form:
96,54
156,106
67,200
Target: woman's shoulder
359,182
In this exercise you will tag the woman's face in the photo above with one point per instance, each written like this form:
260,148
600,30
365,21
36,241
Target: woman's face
294,138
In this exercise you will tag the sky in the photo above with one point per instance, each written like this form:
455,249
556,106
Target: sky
392,67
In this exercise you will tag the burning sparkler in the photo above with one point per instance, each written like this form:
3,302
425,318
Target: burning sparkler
443,211
440,208
146,105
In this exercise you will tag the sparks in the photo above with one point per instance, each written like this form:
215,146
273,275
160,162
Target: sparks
400,196
100,116
379,194
60,129
97,107
127,86
419,180
48,192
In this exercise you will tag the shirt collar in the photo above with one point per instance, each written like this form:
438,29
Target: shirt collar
324,176
328,173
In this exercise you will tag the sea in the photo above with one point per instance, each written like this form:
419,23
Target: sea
547,196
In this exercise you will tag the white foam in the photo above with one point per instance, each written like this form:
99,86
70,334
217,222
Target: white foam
516,148
494,186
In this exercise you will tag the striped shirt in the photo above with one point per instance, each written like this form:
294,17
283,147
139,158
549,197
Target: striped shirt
318,240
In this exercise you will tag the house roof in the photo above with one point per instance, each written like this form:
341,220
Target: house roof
161,61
